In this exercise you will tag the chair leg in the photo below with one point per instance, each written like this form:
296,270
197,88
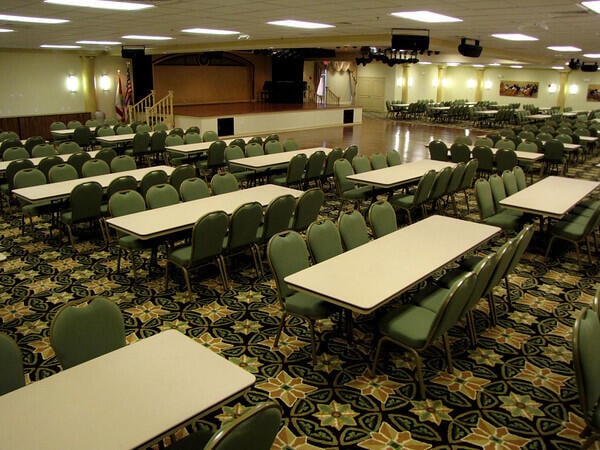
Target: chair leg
186,275
223,271
471,328
492,308
548,248
313,341
280,329
419,367
508,300
377,353
448,352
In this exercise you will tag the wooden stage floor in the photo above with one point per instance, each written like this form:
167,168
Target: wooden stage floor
224,109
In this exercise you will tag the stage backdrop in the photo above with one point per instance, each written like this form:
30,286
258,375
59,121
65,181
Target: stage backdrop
519,88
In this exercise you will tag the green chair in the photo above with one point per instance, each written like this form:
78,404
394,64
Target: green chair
506,159
272,147
85,206
62,172
193,189
161,127
177,131
192,138
271,137
80,333
416,199
454,184
173,140
290,145
57,125
215,159
157,145
41,150
510,182
485,160
222,183
575,228
161,195
527,166
209,136
460,152
378,161
439,188
438,150
122,163
152,178
278,215
327,172
294,176
47,163
287,254
484,142
586,335
466,184
77,160
83,136
124,129
68,147
255,429
253,149
105,131
72,124
182,172
307,209
488,214
345,189
106,154
26,178
350,152
353,229
206,246
361,164
11,142
13,153
12,375
324,240
239,142
464,140
256,140
314,168
554,157
9,175
94,167
520,178
415,328
393,158
124,182
243,234
382,218
140,147
505,144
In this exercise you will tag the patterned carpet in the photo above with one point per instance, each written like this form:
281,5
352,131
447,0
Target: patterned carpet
515,390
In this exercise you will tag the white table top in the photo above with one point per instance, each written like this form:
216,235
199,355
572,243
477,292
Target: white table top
550,197
170,219
55,191
275,159
123,399
538,116
117,138
439,108
199,147
486,112
36,160
523,156
367,277
66,131
588,138
389,177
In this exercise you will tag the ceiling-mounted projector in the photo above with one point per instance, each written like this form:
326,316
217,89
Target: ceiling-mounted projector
409,39
472,50
589,67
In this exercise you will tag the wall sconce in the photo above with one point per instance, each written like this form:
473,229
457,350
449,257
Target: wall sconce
436,82
471,83
410,82
487,84
72,83
552,88
399,81
573,89
445,82
104,82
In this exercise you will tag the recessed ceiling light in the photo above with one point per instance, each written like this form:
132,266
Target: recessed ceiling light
209,31
557,67
300,24
478,65
591,55
514,37
426,16
424,62
516,66
494,64
9,18
146,38
5,30
593,6
102,4
59,46
453,64
99,42
564,48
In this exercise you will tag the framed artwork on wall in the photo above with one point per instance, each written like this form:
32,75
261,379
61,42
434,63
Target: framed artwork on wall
593,93
519,88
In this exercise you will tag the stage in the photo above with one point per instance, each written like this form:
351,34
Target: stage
249,118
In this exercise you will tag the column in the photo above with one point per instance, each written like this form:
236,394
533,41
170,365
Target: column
563,85
479,85
405,78
88,86
440,88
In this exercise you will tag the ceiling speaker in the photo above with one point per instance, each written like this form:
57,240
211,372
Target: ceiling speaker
410,42
470,50
574,64
589,67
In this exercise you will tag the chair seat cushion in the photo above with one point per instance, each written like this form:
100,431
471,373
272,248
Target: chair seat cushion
306,305
181,255
504,220
132,243
402,201
279,180
432,297
572,229
358,192
409,325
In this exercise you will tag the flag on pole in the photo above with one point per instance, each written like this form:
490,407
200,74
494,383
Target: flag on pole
119,101
128,93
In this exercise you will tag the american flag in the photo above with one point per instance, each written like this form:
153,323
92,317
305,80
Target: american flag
128,92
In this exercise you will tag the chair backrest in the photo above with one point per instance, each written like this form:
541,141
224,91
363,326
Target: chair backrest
238,142
86,199
157,141
484,142
440,184
73,124
273,147
460,152
423,190
209,136
192,138
484,157
215,156
360,164
324,240
124,129
272,137
62,172
505,160
58,125
125,201
172,140
80,333
12,375
527,146
522,242
485,199
463,139
141,143
122,163
470,174
314,165
181,172
393,158
244,224
505,144
287,254
483,272
382,218
295,169
332,157
68,147
121,183
161,195
307,209
105,131
192,129
106,154
47,163
510,182
43,150
233,152
554,151
12,153
255,429
254,149
504,256
193,189
94,167
586,335
208,235
350,152
11,142
222,183
178,131
520,178
438,150
29,177
82,135
14,167
378,161
290,144
256,140
456,178
153,177
341,169
278,215
353,229
78,159
498,191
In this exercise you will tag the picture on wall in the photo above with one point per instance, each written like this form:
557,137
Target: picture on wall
593,93
519,88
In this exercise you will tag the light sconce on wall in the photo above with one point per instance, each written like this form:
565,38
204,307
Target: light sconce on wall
487,84
573,89
471,83
552,88
105,82
72,83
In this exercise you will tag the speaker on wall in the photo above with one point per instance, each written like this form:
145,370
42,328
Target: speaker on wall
470,50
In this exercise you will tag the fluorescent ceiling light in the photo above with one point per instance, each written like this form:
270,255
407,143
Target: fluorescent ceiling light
516,66
592,55
209,31
146,38
5,30
426,16
99,42
9,18
453,64
594,6
494,64
424,62
564,48
514,37
557,67
59,46
102,4
478,65
300,24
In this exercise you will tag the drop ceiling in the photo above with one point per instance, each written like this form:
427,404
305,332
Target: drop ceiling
357,23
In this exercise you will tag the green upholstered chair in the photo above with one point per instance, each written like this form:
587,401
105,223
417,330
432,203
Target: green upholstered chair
417,198
314,168
506,159
222,183
85,206
307,209
161,127
122,163
460,152
438,151
47,163
327,172
105,131
463,139
78,159
254,149
243,234
439,188
209,136
173,140
215,159
485,160
233,152
271,137
26,178
346,189
83,136
586,335
255,429
62,172
193,189
382,217
192,138
73,124
488,214
106,154
454,184
361,164
378,161
181,172
287,254
290,144
484,142
239,142
11,142
393,158
12,375
80,333
152,178
161,195
278,215
140,147
520,178
415,328
324,240
554,157
178,131
12,153
510,182
157,145
9,175
206,246
350,152
94,167
124,129
68,147
121,183
273,146
294,176
505,144
43,150
353,229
